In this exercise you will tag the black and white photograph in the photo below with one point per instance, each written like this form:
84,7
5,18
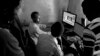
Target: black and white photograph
49,28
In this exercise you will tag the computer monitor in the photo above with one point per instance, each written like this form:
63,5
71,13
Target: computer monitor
69,18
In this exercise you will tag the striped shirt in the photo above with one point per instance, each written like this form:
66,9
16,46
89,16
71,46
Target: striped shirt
88,42
95,27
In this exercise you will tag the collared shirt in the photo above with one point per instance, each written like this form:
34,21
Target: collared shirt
58,46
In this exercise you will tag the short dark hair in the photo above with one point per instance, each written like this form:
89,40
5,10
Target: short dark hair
91,9
57,29
34,16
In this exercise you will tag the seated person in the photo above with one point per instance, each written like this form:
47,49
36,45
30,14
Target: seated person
34,29
57,30
47,44
92,34
9,43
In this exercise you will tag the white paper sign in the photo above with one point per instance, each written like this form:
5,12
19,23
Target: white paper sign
69,18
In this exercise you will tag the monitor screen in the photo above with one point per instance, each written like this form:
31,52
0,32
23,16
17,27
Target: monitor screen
69,18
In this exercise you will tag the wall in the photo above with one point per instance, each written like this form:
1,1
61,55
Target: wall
50,10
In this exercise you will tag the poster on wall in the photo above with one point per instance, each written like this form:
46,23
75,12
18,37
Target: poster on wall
69,18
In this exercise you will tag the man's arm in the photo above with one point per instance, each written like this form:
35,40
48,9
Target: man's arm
39,30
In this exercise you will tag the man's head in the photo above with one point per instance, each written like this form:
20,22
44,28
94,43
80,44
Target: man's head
91,9
57,29
35,17
7,10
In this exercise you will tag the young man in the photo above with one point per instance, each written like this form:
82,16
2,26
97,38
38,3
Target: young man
47,44
34,27
91,35
57,30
